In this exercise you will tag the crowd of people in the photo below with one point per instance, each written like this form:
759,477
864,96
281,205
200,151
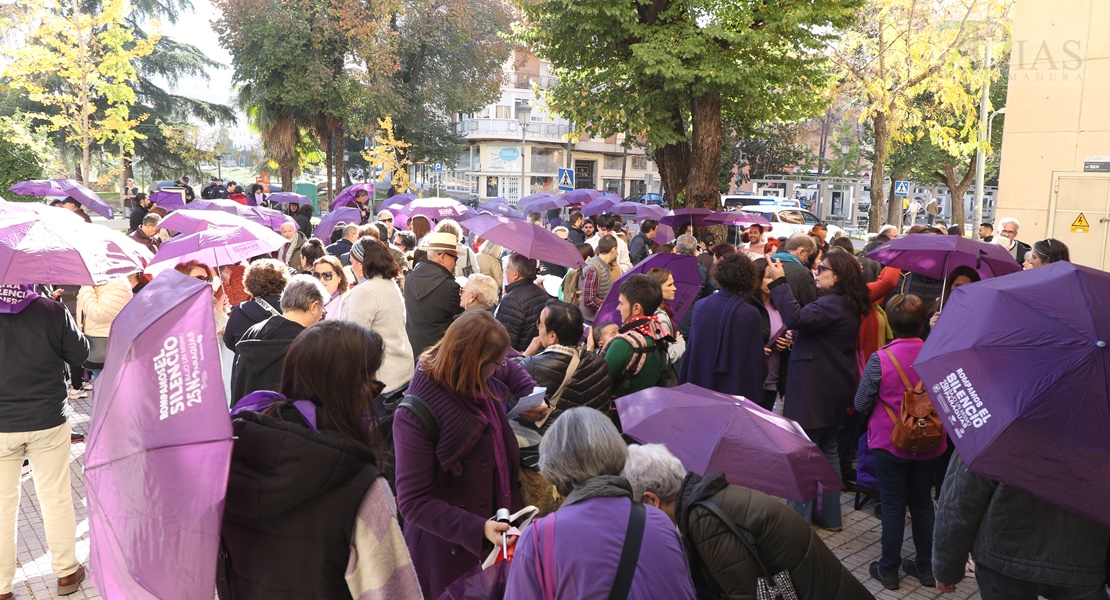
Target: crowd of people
373,373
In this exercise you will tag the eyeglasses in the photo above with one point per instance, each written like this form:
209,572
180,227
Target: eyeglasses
204,278
389,220
499,363
325,275
823,268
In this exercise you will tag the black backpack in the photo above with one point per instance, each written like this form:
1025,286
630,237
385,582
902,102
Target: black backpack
411,402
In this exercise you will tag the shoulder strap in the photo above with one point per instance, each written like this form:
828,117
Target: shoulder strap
898,367
716,510
423,412
575,359
266,307
630,555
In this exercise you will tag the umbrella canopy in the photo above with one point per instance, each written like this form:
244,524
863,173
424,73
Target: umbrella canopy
269,217
287,197
580,196
936,255
650,211
36,249
709,431
437,208
159,451
53,214
687,283
60,188
493,203
738,217
191,221
604,204
500,207
215,247
627,208
682,216
1019,370
347,214
168,200
525,238
347,196
665,234
541,202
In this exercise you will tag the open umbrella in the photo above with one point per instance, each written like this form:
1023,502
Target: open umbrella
35,248
437,208
604,204
541,202
627,208
60,188
523,237
937,255
269,217
650,211
168,200
737,217
347,196
1019,370
687,283
578,197
709,431
682,216
188,221
665,234
215,247
347,214
52,214
159,451
492,203
287,197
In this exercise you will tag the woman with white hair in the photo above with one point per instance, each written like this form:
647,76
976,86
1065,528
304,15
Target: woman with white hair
712,516
580,548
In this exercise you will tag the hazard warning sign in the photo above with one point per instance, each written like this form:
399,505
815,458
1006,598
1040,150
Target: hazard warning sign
1080,225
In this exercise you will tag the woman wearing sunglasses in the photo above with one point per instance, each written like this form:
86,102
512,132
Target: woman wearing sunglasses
330,272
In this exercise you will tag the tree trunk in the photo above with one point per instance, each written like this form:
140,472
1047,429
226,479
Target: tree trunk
673,161
705,152
128,169
958,189
881,128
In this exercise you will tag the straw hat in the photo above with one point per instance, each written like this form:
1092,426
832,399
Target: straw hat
443,242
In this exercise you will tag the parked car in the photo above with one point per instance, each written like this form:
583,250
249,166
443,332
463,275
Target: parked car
647,198
787,220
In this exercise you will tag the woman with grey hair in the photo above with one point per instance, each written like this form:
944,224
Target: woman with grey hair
480,291
711,515
582,455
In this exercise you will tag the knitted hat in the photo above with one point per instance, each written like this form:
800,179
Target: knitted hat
357,251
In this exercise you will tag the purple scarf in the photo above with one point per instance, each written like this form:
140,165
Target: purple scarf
15,298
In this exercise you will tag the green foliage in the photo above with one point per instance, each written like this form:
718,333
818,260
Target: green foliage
771,149
24,154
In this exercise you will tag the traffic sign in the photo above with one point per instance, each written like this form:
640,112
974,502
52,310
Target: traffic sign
901,188
438,167
566,179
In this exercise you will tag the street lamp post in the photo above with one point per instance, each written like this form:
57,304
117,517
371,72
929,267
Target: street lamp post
523,114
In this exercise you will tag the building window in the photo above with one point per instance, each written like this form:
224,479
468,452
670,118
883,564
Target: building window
503,112
547,160
613,163
464,159
491,187
613,185
637,186
639,163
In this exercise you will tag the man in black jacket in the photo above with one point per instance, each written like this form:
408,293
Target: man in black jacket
797,256
549,356
576,235
261,351
523,301
344,244
38,338
432,294
640,247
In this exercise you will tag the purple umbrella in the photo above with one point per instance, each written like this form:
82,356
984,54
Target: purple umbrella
541,202
506,211
682,216
574,197
168,200
60,188
709,431
53,214
936,255
215,247
437,208
34,249
737,217
687,283
287,197
627,208
525,238
650,211
269,217
604,204
492,203
1019,370
159,451
665,236
347,196
347,214
188,221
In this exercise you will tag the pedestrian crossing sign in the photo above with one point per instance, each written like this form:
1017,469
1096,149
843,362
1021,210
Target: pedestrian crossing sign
901,188
566,179
1080,225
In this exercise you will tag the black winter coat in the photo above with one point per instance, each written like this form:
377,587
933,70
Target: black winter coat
246,315
782,538
290,540
259,355
520,310
589,386
431,304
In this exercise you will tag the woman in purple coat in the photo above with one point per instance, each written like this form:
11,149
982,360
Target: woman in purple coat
450,484
824,372
575,552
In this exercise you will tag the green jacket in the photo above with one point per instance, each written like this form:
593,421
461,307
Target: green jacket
619,354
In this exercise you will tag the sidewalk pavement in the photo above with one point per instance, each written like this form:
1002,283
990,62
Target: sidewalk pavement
857,545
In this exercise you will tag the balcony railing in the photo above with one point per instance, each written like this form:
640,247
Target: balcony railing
510,128
524,81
